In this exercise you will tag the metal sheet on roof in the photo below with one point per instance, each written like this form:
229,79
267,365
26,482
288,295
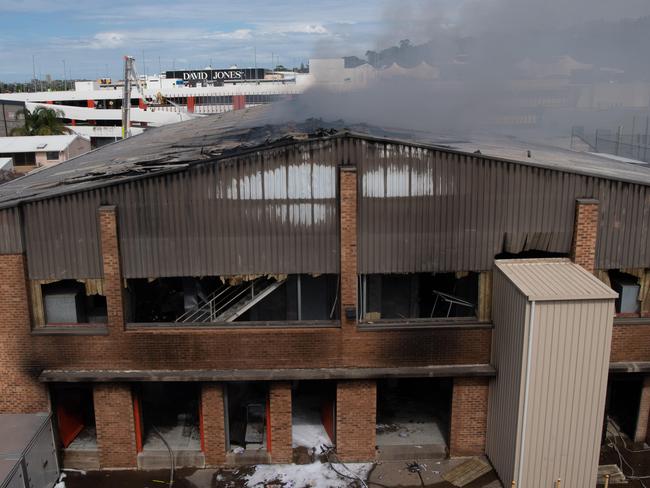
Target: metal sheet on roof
554,280
172,146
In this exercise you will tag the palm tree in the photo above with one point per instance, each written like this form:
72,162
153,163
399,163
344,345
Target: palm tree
42,121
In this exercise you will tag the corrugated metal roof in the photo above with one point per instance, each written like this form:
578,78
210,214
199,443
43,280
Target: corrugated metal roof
175,146
20,144
554,280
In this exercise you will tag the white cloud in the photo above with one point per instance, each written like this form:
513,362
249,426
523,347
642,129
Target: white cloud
107,40
294,28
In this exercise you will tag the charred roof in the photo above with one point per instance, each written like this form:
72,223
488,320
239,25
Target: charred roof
208,139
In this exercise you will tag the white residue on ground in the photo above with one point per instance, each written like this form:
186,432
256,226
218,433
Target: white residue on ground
315,475
60,483
308,430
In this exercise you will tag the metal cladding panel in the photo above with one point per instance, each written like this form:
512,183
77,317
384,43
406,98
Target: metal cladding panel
553,279
423,209
271,212
510,311
11,241
62,237
547,403
567,388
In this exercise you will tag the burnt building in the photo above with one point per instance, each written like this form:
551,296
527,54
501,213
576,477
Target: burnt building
224,281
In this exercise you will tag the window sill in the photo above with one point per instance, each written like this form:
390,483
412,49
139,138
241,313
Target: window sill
76,329
179,327
632,320
458,323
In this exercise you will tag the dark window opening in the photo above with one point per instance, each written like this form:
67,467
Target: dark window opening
21,159
313,406
531,254
170,411
246,410
413,296
413,417
66,302
210,300
52,155
623,399
75,416
628,289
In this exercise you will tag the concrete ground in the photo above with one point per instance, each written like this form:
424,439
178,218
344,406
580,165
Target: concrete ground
385,474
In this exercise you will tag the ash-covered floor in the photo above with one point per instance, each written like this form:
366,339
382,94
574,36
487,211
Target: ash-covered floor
315,475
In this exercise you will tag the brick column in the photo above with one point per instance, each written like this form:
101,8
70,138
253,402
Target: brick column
356,420
585,234
641,433
20,391
112,268
281,428
115,425
348,230
468,417
213,424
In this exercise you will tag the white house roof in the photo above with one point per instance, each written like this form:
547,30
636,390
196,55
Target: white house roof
23,144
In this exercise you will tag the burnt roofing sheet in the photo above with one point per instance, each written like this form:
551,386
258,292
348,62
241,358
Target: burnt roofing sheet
174,147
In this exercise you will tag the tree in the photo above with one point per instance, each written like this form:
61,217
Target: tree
42,121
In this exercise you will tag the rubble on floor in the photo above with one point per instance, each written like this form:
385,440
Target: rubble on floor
314,475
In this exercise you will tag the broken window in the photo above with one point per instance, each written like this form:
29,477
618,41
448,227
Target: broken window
247,417
413,417
622,405
75,417
628,288
191,300
68,302
418,295
169,413
313,406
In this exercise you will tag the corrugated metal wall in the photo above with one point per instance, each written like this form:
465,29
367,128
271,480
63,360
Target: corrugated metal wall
62,237
505,400
271,212
568,384
276,211
10,232
432,210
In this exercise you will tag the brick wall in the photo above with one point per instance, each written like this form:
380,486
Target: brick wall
281,425
111,267
348,216
115,425
630,343
20,391
214,438
585,234
356,419
468,417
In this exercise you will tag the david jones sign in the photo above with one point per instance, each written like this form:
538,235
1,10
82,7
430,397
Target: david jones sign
218,74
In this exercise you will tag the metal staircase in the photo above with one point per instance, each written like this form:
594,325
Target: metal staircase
228,303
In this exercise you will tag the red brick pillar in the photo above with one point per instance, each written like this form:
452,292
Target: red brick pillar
642,432
585,234
348,230
112,268
356,420
468,417
191,102
281,429
115,425
213,427
20,391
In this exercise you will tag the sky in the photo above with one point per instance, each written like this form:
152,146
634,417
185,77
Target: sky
92,36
